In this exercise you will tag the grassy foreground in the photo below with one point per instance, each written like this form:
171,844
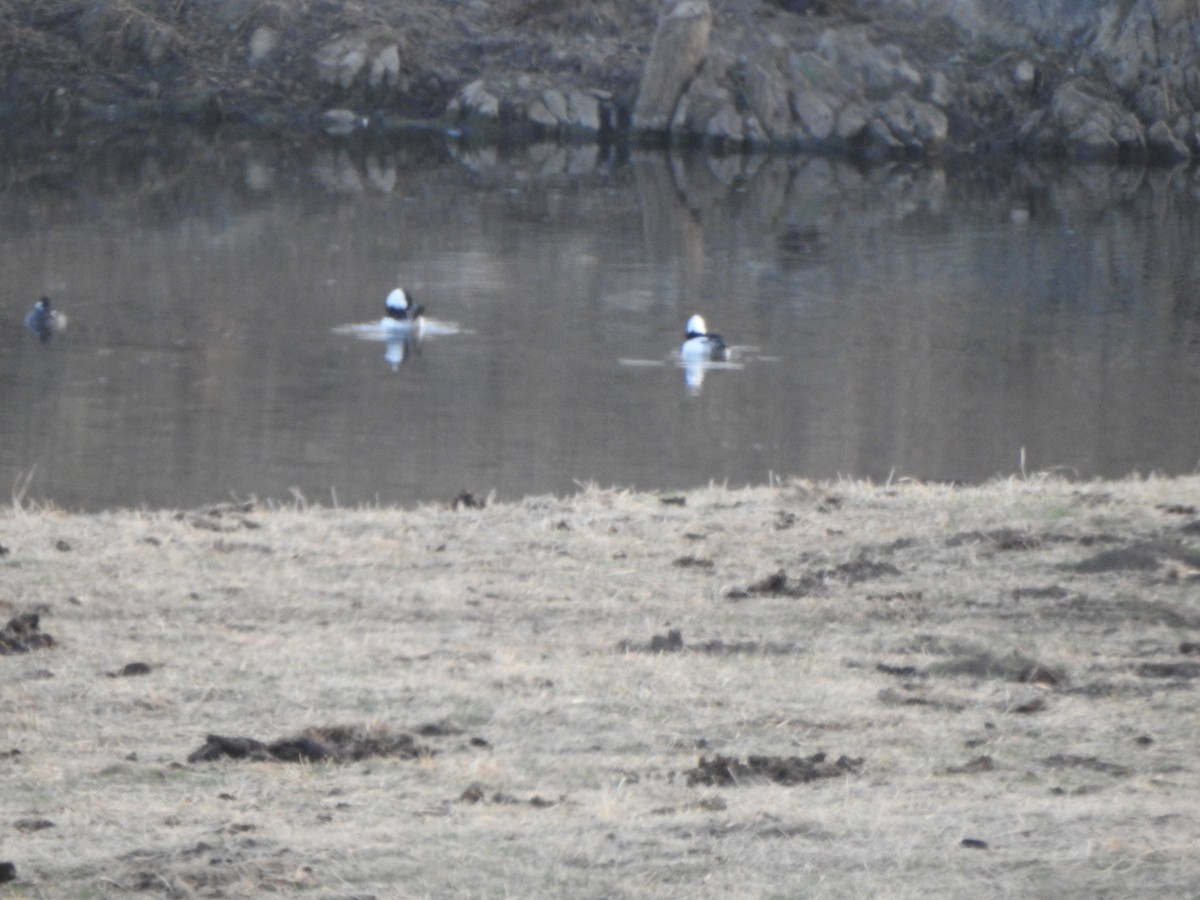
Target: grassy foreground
1009,670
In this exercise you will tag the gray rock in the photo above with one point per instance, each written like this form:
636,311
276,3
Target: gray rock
556,104
755,135
1093,127
349,66
725,128
1072,106
877,71
340,61
810,70
851,121
369,57
263,42
1092,142
843,52
767,95
680,46
941,91
1153,103
539,114
1163,146
385,67
886,70
1129,134
1127,38
1024,76
881,143
575,112
1187,129
915,124
815,113
1035,136
474,102
583,113
704,100
1190,76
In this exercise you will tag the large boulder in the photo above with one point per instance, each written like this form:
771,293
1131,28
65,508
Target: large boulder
1091,127
680,46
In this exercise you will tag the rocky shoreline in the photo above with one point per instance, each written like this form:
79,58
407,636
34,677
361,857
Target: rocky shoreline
866,79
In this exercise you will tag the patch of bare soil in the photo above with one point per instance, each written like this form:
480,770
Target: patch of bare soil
1009,667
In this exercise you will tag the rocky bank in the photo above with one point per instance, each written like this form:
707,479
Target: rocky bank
1114,80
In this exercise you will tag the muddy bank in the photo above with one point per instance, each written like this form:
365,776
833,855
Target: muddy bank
871,79
714,693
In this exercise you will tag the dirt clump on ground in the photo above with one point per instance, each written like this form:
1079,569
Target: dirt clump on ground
725,770
23,633
320,744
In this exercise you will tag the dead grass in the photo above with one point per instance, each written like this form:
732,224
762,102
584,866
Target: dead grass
1002,681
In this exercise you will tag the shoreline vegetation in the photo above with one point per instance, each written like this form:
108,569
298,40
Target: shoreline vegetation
827,689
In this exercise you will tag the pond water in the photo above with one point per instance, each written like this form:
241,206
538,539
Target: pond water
890,322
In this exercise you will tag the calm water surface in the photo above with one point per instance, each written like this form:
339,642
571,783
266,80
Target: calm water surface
891,322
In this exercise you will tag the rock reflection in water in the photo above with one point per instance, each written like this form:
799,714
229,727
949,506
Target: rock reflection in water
919,320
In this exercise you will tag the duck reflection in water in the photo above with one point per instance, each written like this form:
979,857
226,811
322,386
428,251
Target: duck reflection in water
45,321
399,347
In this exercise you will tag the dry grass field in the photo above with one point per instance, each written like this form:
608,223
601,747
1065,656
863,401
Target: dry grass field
610,695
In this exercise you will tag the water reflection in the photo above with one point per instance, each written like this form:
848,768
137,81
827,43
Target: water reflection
695,370
399,347
921,321
401,340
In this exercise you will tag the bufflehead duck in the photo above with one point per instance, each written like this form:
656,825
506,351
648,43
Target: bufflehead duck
44,321
401,308
699,345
